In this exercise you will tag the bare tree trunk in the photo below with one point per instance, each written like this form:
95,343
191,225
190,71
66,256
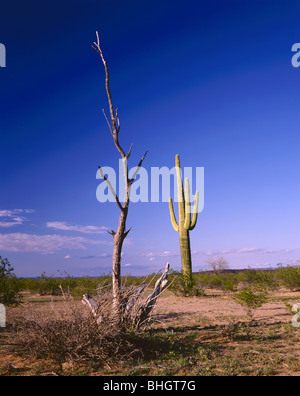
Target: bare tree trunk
136,309
117,252
120,235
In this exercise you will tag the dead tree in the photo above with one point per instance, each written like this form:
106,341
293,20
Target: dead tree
135,308
217,264
121,233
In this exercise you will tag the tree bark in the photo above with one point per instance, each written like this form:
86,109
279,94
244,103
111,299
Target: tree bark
116,264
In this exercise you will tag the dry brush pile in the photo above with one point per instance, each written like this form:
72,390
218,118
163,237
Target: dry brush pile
70,332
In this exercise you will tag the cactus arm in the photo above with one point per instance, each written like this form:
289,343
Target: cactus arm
195,212
187,221
177,161
172,214
179,181
181,203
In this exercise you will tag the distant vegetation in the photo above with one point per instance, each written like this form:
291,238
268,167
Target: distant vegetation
226,280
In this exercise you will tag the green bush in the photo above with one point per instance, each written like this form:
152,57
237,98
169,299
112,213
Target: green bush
258,277
251,299
180,287
289,277
9,285
51,285
213,280
87,285
48,285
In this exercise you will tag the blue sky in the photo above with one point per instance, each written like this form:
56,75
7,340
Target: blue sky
209,80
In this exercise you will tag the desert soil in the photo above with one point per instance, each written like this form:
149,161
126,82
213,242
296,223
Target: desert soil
272,348
218,308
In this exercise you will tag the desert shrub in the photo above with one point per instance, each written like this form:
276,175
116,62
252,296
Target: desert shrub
258,277
27,284
267,279
250,299
51,285
48,285
9,285
71,334
289,277
233,329
180,287
203,279
226,282
229,282
88,285
223,281
248,276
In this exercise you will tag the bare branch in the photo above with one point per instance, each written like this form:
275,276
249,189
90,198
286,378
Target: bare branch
126,233
138,168
112,233
103,111
118,120
114,117
129,152
111,188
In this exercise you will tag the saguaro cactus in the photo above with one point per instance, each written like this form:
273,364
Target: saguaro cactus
185,224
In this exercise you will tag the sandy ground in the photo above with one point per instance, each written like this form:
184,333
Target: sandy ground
217,308
204,314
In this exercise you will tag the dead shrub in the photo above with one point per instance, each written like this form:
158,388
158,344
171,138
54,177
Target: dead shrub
136,308
70,333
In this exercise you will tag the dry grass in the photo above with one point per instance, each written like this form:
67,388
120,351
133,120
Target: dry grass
69,333
207,335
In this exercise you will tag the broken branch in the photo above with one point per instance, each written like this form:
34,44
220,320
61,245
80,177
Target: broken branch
111,188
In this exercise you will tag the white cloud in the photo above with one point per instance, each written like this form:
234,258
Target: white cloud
235,251
11,218
67,256
61,225
102,255
45,244
283,251
249,250
13,212
13,222
152,256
